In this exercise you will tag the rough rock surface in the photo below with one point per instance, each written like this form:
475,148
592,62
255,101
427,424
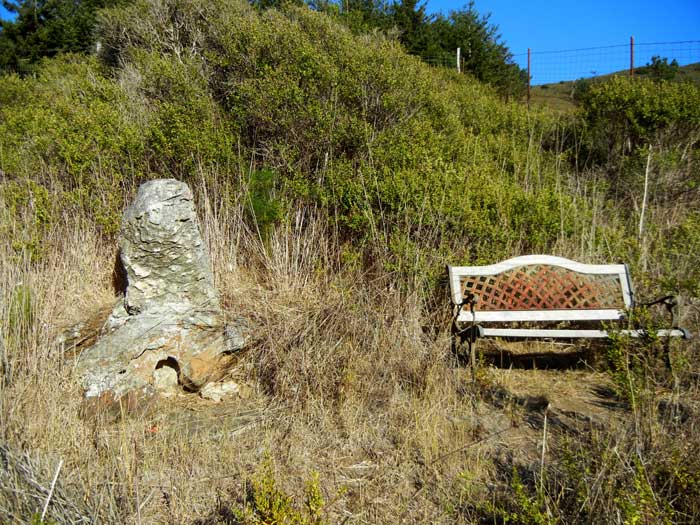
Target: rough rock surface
169,317
217,391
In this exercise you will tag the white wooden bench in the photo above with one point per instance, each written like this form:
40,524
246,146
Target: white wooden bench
543,289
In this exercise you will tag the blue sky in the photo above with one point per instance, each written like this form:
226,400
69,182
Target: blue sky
4,13
559,25
554,25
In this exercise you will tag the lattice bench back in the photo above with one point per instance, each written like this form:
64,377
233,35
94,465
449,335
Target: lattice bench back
541,288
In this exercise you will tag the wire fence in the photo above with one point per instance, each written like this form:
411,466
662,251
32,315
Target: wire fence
560,66
547,67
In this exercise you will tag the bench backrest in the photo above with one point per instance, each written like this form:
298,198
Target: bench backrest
542,288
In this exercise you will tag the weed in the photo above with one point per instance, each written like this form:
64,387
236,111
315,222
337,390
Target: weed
270,505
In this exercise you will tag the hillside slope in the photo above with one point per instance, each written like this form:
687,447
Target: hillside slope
562,95
335,176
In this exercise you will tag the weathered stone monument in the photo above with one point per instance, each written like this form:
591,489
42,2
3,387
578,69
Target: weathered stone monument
168,330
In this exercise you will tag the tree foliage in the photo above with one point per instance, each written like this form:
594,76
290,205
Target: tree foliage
660,69
45,28
435,38
484,55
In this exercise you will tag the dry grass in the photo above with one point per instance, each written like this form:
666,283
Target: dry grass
348,377
342,381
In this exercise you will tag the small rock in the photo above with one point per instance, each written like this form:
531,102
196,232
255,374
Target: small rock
165,380
216,391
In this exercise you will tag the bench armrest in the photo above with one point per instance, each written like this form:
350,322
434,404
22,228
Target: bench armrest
670,302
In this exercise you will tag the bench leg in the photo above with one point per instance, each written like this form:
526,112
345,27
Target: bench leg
458,350
469,336
667,354
472,354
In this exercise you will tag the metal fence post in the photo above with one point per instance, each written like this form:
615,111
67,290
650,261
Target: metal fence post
529,77
631,56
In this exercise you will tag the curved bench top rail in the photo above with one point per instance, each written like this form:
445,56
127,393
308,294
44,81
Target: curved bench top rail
551,260
458,275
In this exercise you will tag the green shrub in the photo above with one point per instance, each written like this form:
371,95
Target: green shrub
266,209
78,137
185,127
420,160
623,115
268,504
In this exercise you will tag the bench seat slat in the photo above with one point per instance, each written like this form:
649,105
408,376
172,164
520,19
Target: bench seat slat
539,315
572,334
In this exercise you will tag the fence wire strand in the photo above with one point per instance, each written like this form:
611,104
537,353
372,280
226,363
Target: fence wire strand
552,66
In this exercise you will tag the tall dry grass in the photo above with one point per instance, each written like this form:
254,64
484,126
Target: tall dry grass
343,380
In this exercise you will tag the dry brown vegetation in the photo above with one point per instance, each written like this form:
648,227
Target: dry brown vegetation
351,394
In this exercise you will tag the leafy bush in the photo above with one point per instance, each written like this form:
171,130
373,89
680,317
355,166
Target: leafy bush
660,68
348,122
267,503
265,208
643,137
623,115
79,137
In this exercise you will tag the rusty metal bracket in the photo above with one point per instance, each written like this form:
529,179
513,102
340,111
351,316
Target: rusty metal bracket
671,304
471,332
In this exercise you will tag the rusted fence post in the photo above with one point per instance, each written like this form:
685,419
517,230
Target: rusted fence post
529,77
631,56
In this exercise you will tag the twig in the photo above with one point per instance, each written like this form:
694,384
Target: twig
53,485
646,189
460,449
544,447
148,498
